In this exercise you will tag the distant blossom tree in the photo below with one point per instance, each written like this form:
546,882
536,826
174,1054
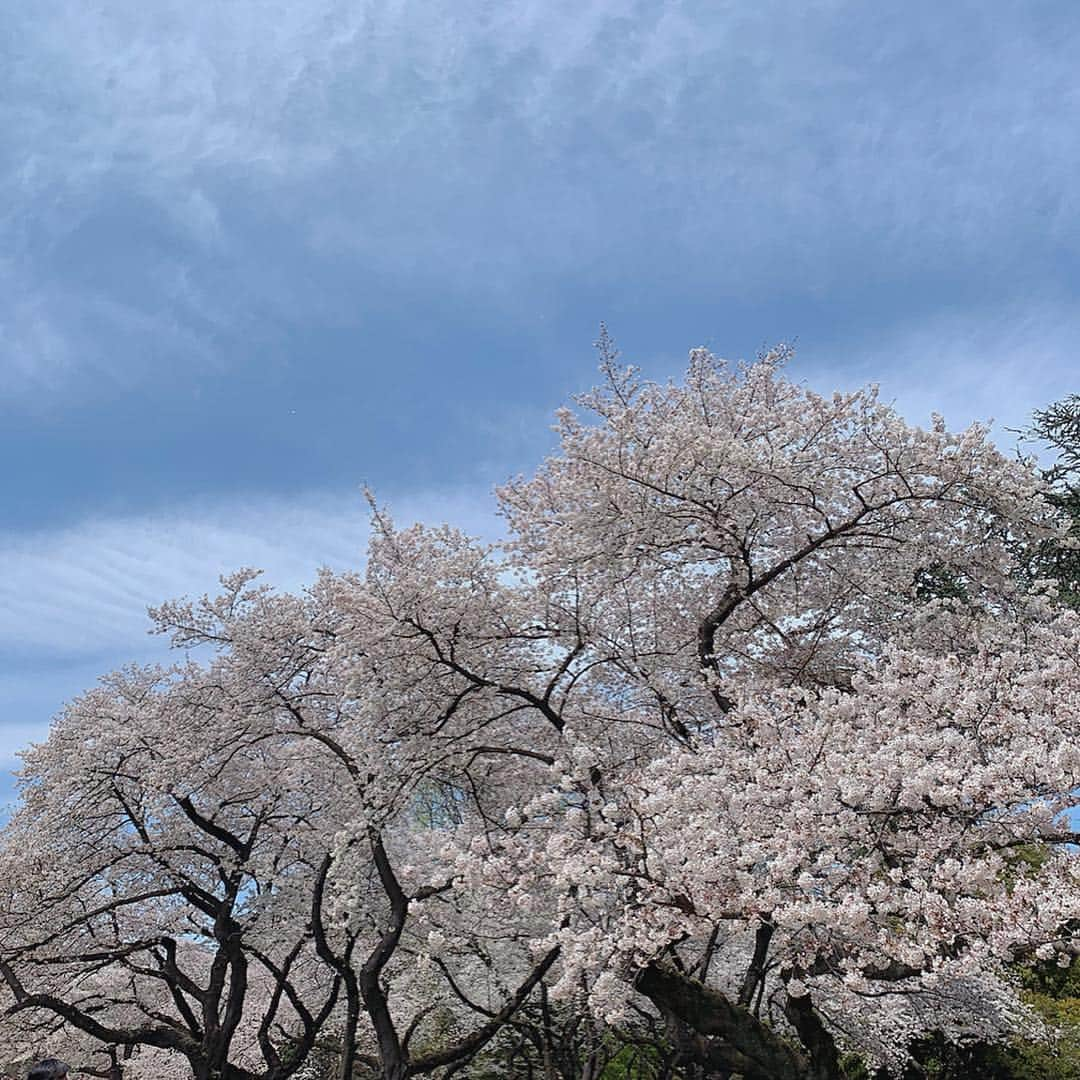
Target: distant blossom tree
748,728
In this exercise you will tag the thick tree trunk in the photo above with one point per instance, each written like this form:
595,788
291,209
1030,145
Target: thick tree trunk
734,1040
824,1059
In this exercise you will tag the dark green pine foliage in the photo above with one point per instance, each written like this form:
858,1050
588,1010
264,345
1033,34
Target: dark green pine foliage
1057,428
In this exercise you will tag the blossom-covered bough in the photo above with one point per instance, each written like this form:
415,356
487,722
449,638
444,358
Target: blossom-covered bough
203,861
748,726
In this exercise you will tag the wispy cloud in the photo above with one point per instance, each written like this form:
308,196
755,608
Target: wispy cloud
998,368
274,161
14,737
85,589
73,601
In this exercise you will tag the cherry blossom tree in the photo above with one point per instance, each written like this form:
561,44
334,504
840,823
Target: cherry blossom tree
204,861
143,870
749,727
704,558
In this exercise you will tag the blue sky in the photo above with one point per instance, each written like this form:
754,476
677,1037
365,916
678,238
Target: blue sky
256,254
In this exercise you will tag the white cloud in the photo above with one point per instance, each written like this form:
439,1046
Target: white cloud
85,589
967,366
16,737
73,601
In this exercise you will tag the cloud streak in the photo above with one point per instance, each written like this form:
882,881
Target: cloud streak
73,601
85,589
1000,368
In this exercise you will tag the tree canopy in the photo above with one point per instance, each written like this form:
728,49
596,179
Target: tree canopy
752,741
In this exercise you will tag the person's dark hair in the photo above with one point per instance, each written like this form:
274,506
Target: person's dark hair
48,1069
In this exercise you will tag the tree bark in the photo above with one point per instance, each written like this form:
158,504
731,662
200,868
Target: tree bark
824,1059
736,1041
